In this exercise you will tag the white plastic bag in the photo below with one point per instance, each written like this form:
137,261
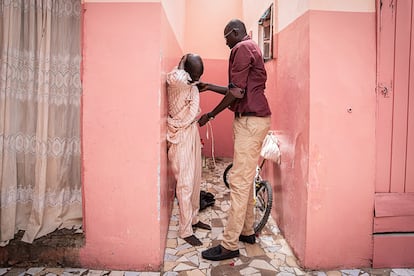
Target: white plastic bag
270,148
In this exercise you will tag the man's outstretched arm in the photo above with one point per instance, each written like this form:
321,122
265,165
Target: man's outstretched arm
204,86
231,95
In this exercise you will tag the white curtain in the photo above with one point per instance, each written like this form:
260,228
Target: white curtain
40,90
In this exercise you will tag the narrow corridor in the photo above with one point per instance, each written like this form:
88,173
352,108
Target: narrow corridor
270,255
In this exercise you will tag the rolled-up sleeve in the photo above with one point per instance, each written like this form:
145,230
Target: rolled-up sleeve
238,93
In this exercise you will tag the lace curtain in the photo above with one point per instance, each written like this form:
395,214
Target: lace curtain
40,90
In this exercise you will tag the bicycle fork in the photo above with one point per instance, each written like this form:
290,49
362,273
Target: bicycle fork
257,179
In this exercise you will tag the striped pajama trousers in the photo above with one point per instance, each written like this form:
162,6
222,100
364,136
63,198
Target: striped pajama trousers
185,160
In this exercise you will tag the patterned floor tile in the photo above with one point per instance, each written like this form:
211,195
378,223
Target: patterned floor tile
270,255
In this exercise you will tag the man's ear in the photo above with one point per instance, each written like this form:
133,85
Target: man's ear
238,33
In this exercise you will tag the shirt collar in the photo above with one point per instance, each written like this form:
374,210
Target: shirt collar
247,37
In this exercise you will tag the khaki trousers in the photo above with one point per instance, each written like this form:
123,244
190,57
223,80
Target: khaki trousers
249,133
185,158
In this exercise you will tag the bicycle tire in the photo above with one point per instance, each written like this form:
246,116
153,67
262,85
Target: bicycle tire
225,175
263,206
264,200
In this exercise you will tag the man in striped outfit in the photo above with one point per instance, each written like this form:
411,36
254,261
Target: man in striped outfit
184,146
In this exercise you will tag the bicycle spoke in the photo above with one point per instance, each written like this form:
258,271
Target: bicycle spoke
263,204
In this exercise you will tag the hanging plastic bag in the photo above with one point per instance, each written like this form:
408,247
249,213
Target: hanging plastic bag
270,148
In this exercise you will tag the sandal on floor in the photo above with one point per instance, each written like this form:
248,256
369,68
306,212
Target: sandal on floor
202,225
193,240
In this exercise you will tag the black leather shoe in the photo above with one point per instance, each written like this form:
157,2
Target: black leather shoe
249,239
219,253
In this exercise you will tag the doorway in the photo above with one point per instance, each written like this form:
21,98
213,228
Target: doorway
394,189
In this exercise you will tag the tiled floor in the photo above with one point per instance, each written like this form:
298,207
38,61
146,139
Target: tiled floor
271,255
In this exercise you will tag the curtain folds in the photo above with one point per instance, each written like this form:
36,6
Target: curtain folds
40,90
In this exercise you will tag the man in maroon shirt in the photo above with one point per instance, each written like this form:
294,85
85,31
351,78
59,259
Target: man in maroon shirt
245,97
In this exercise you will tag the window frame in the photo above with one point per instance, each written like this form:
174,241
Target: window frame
265,33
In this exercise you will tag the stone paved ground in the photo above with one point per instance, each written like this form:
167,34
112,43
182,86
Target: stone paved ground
271,255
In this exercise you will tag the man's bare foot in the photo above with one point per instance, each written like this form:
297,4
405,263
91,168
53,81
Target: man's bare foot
193,240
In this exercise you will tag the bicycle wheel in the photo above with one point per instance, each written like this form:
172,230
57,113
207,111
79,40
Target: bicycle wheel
226,173
263,205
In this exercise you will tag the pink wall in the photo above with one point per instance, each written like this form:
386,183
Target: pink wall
324,111
288,93
128,189
342,131
204,35
126,193
205,22
221,133
171,54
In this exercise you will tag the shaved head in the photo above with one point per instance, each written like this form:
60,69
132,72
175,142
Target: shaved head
236,24
194,66
234,32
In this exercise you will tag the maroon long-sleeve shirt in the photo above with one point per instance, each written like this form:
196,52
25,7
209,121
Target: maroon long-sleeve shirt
247,71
